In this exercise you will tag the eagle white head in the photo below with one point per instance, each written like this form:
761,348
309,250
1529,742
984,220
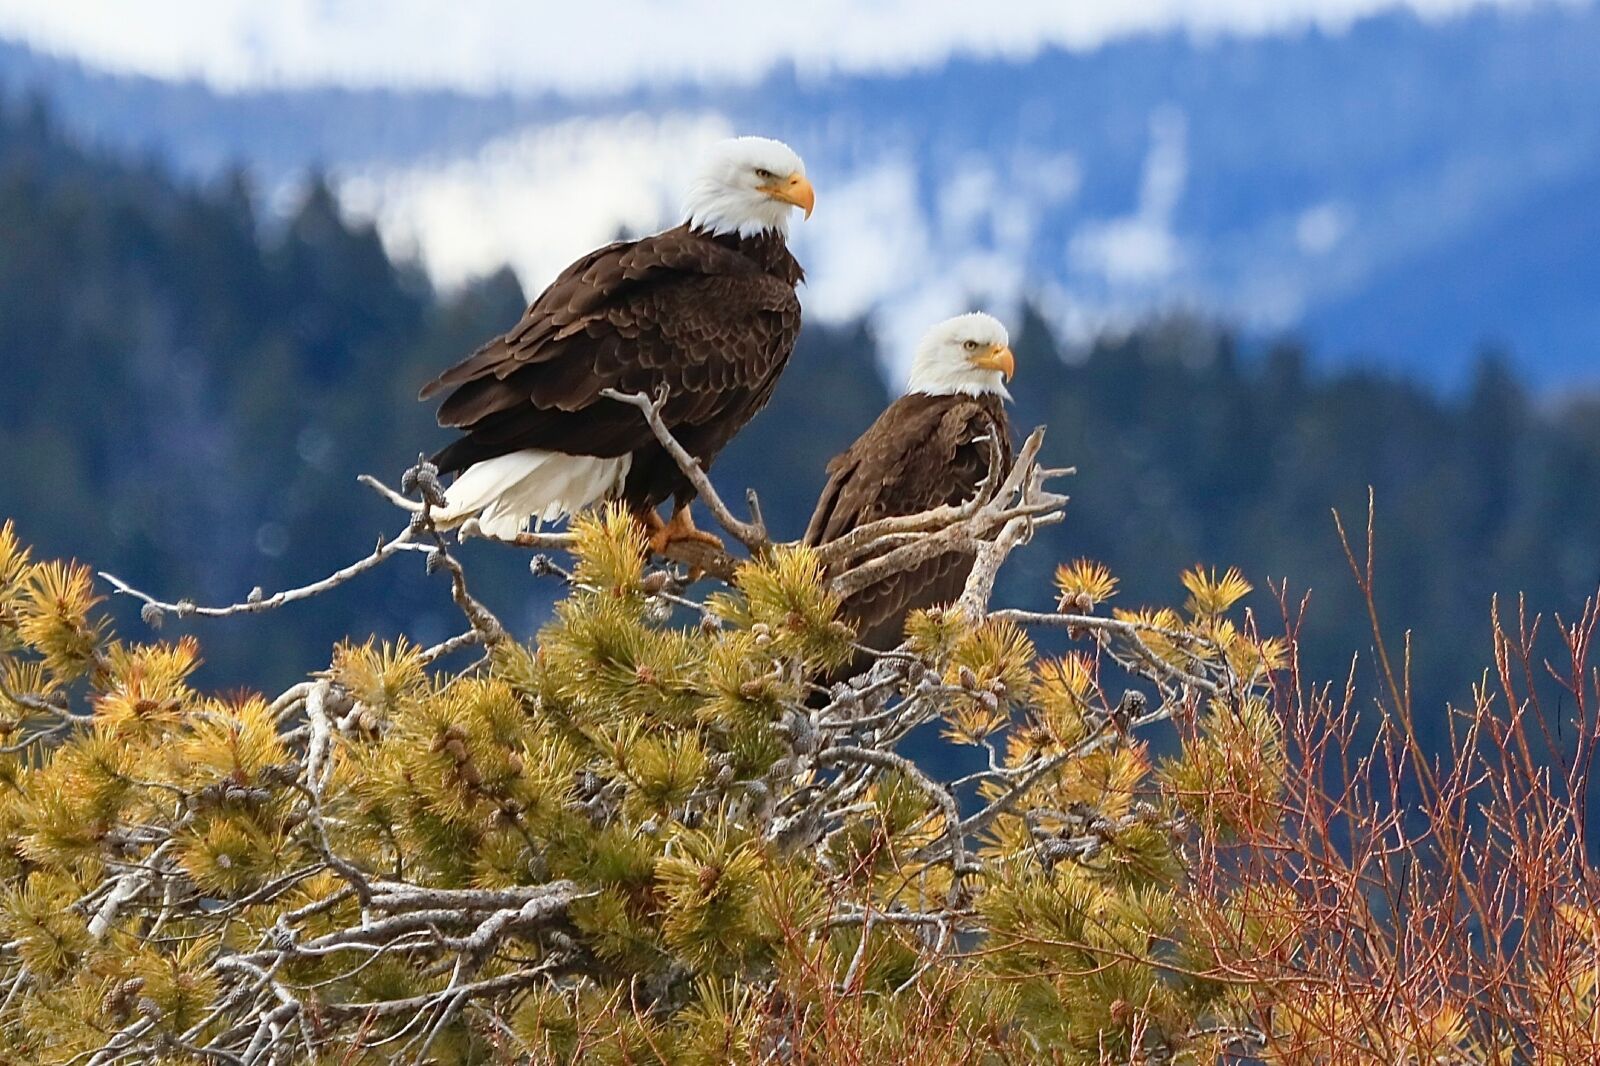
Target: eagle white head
968,354
748,185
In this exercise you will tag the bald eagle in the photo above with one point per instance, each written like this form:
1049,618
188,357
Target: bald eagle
706,309
931,447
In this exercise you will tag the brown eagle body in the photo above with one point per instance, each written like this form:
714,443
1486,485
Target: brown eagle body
923,452
712,319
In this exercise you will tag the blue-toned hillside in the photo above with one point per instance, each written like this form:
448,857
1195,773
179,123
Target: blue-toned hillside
1400,193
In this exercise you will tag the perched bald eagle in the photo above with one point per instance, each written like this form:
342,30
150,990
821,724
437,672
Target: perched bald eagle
707,309
929,448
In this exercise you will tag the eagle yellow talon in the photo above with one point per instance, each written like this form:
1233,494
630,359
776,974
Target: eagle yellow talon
681,528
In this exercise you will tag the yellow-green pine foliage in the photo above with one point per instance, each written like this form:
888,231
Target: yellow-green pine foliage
161,842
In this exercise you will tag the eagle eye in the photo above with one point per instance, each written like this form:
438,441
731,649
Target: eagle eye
765,174
971,346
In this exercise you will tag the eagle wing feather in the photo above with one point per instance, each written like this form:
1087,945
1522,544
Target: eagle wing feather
678,310
922,452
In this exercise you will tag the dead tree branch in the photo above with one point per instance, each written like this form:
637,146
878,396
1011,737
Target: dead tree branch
753,534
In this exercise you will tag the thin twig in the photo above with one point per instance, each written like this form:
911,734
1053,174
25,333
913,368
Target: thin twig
256,605
753,535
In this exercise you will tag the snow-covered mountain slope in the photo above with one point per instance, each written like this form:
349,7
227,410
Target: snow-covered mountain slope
1398,193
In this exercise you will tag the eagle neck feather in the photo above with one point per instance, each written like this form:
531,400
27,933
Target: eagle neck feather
767,249
936,387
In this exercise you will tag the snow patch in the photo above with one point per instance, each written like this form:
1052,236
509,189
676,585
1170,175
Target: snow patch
1142,248
1321,228
623,44
538,198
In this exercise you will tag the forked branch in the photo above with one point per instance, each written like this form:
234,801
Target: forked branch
987,527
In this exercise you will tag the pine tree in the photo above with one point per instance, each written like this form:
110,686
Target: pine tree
649,835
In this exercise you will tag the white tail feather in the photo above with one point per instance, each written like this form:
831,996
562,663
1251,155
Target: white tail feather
505,492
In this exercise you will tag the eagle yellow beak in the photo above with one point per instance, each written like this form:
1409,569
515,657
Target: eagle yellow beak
998,357
794,189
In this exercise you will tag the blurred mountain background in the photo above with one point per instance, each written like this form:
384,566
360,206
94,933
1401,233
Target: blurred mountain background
1247,277
1397,193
